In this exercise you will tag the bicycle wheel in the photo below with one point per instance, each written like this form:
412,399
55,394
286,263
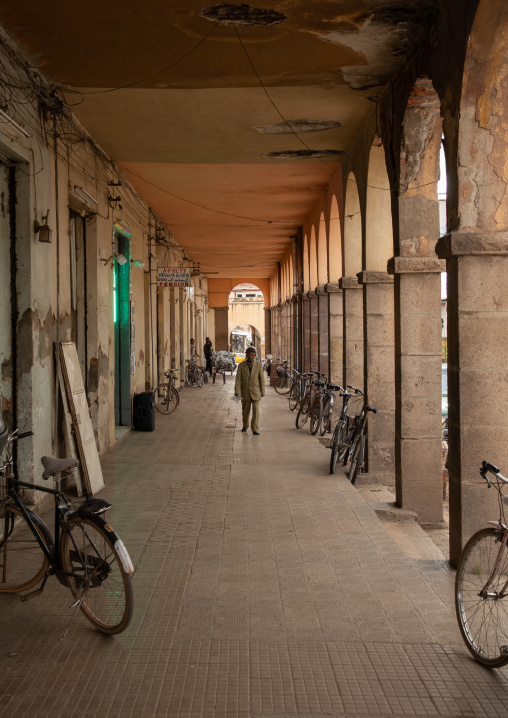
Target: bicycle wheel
166,399
190,377
325,417
357,462
199,378
302,416
282,384
481,612
337,440
294,396
315,416
90,550
22,562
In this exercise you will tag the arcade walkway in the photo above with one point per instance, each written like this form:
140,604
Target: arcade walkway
264,587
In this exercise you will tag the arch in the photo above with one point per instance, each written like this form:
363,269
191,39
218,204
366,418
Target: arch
313,269
483,171
378,217
322,252
306,273
334,243
418,229
352,229
290,277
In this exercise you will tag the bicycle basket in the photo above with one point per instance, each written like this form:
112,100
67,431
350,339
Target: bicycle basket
280,371
3,436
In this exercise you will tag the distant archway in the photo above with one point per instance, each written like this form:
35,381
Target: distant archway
334,244
246,309
352,230
322,254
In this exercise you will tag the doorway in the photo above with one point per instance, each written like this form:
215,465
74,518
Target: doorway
121,319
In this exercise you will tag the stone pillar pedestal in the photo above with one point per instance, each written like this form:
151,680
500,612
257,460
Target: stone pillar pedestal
418,477
306,332
353,331
336,331
379,342
221,329
477,307
268,331
323,328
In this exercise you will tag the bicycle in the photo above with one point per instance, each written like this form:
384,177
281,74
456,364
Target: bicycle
193,374
308,400
297,391
85,553
358,441
167,397
481,584
344,429
326,408
284,382
316,409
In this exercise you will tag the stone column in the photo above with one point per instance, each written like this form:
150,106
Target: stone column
306,332
221,329
323,328
268,331
418,476
336,331
379,358
477,307
353,331
314,331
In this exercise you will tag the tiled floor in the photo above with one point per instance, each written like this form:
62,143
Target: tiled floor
263,587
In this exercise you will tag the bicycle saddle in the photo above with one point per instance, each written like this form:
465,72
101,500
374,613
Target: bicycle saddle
54,466
334,387
319,383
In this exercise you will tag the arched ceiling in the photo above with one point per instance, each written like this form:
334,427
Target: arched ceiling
192,108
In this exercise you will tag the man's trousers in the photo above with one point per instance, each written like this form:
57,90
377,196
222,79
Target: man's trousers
246,407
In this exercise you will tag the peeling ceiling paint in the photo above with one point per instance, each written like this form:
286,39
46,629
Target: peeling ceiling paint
302,154
299,126
243,14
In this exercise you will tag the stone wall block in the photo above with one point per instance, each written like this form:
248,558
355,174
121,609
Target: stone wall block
380,331
421,293
382,393
379,299
483,340
421,418
421,376
482,284
420,334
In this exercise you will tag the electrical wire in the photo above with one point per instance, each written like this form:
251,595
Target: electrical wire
145,79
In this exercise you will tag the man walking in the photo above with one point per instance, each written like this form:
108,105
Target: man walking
207,351
250,385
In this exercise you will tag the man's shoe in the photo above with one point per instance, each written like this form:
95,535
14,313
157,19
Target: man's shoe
244,429
256,433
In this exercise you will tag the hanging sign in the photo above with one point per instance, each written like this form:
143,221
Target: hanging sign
173,276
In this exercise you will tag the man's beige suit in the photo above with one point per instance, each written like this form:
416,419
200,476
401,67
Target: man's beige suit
250,385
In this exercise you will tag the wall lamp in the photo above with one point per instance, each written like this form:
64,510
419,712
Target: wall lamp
138,263
43,230
119,258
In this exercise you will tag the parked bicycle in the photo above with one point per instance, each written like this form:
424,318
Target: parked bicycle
327,403
84,553
167,397
193,374
298,388
481,584
308,401
356,451
284,381
344,429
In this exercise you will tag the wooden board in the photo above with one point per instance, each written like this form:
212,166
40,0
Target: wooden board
69,437
89,456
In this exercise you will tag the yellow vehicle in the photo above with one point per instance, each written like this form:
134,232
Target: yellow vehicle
239,357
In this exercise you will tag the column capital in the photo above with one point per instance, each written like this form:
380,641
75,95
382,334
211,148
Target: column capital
321,289
294,299
375,278
457,244
311,294
332,288
349,283
416,265
305,296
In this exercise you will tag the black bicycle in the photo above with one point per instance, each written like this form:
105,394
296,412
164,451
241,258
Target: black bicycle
344,429
84,553
358,442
